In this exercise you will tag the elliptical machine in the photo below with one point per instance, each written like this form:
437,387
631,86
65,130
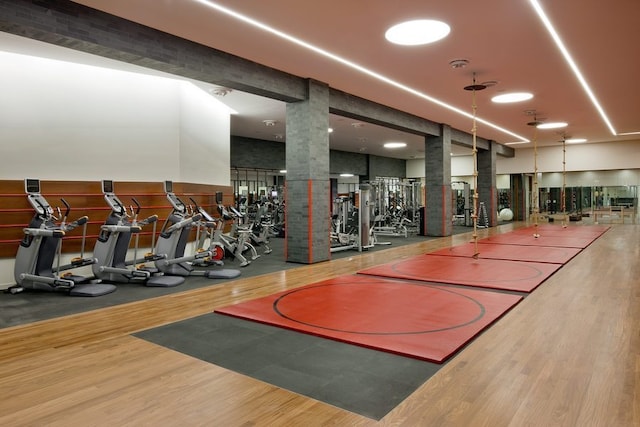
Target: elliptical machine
113,244
42,245
173,240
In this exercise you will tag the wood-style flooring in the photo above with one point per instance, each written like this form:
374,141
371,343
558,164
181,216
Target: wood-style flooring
568,355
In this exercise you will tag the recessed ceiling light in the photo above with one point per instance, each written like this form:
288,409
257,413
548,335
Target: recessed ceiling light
552,125
575,140
346,175
330,130
506,98
516,143
283,171
459,63
420,31
395,144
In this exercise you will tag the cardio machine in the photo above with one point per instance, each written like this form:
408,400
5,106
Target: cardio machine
113,244
173,240
42,246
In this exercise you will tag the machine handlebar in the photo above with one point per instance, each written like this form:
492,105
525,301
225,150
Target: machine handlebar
43,232
67,207
137,205
150,220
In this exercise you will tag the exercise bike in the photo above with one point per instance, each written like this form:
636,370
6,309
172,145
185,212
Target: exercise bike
260,227
113,243
42,246
236,242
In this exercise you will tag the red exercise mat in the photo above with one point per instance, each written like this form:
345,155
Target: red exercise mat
423,321
554,255
485,273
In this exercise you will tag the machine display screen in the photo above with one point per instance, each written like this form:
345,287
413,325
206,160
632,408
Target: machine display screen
32,185
107,186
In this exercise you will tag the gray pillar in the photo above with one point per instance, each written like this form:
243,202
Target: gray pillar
307,185
438,209
487,191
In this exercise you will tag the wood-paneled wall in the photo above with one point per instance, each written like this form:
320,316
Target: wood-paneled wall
86,198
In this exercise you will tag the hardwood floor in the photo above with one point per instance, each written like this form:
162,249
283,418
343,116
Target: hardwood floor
568,355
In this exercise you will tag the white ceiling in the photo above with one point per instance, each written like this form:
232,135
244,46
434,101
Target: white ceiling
503,40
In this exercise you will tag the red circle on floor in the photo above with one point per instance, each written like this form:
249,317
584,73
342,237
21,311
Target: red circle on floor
379,308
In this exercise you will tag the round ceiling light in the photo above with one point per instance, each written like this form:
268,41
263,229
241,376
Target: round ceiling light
420,31
552,125
395,144
506,98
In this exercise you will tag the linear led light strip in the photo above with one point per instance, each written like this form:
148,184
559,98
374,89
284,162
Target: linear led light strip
350,64
567,57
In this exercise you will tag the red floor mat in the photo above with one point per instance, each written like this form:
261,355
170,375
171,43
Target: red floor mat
486,273
554,255
593,231
545,239
423,321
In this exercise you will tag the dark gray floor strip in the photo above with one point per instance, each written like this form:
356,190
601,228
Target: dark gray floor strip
359,380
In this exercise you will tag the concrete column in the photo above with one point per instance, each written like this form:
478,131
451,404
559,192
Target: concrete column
438,209
487,191
308,186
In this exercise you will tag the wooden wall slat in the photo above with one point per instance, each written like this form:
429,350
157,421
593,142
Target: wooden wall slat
86,198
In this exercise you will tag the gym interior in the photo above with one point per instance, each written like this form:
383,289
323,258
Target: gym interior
165,262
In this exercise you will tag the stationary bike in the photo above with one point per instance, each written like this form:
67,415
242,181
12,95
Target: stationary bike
42,246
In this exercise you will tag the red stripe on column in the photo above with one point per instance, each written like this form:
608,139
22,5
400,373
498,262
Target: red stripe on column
329,220
310,221
286,206
424,216
494,208
444,210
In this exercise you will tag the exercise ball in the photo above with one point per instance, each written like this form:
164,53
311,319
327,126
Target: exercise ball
506,214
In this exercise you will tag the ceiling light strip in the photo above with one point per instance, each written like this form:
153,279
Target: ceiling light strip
574,67
349,64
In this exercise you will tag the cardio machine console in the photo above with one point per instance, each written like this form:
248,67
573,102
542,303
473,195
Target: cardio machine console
37,201
112,200
177,204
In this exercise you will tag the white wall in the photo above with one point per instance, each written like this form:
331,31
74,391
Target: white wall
598,164
67,121
579,157
205,132
460,166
